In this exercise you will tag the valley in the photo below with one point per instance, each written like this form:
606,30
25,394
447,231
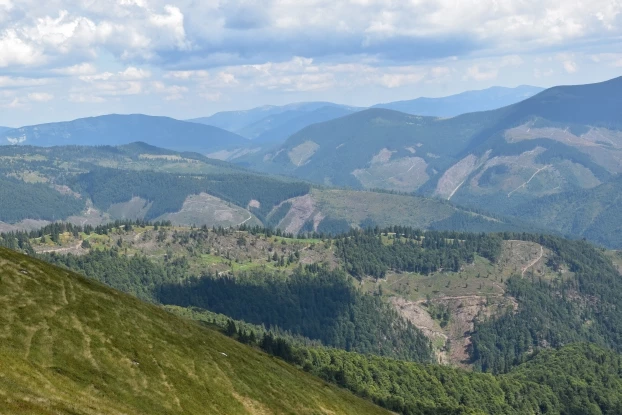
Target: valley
446,304
451,306
364,250
338,207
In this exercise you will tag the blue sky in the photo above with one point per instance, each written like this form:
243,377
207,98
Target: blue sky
65,59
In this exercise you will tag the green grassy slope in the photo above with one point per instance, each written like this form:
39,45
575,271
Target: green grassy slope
72,346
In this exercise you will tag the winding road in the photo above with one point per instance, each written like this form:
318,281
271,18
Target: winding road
534,262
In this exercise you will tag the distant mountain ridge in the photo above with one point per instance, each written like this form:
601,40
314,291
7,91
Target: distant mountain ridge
278,130
237,121
274,124
124,129
465,102
564,139
94,185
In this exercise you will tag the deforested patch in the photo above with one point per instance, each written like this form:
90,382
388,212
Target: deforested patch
301,154
405,174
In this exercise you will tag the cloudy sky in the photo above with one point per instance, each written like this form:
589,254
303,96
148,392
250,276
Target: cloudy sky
65,59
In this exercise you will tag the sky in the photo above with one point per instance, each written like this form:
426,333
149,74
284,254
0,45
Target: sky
66,59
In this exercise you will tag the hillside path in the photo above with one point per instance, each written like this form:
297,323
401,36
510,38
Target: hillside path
534,262
57,250
530,179
250,216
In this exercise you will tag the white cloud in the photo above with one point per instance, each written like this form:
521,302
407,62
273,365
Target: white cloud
440,72
10,82
172,24
40,97
570,66
133,73
85,98
171,92
148,51
538,73
211,96
84,68
478,73
611,59
489,70
398,80
188,75
16,103
14,51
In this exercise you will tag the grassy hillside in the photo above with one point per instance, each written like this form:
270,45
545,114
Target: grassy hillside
73,346
337,210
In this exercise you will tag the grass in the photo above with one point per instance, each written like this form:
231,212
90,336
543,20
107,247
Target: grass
214,253
382,208
72,346
481,278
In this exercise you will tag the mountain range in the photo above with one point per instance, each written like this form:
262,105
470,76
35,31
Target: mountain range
239,121
469,101
428,239
553,146
125,129
221,135
563,139
96,185
273,124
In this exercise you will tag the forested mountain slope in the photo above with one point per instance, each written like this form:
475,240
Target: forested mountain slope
471,287
544,382
94,185
564,139
71,345
594,214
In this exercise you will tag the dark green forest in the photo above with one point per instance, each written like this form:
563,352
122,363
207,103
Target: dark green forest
136,275
313,302
20,200
576,379
168,192
583,304
365,253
